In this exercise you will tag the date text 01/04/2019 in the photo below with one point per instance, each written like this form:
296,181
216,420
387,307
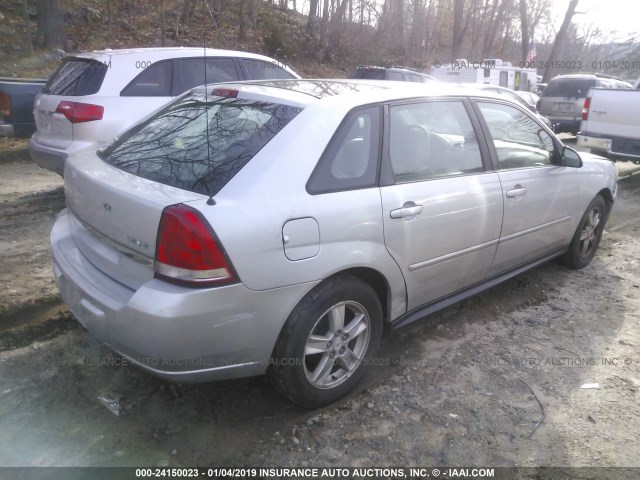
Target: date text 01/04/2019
579,64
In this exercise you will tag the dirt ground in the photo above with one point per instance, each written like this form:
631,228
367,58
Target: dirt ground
497,380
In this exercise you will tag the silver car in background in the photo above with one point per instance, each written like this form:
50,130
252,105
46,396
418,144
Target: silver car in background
276,226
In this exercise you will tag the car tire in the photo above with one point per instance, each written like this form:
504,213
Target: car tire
323,350
587,237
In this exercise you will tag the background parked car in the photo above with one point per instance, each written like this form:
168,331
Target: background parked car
16,106
275,226
509,94
94,96
384,73
531,99
611,123
563,98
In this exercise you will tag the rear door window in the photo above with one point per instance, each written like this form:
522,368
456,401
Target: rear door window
76,77
154,81
370,73
198,145
190,72
432,139
260,70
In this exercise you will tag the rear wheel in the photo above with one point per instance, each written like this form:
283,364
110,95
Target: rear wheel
322,352
588,234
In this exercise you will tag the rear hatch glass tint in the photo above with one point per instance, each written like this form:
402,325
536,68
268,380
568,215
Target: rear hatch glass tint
569,87
76,77
368,73
174,147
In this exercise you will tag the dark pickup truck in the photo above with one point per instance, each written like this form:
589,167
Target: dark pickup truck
16,105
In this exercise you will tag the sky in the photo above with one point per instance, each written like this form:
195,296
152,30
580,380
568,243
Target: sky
609,15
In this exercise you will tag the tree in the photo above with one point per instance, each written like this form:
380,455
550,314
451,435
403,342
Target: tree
559,41
312,22
188,11
247,16
458,9
51,24
524,28
29,42
162,28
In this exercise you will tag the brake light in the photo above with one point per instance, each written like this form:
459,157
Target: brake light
5,104
585,108
187,251
225,92
77,112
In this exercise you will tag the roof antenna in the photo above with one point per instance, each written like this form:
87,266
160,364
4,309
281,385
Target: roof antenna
210,200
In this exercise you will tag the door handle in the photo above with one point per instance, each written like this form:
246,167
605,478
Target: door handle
409,209
518,191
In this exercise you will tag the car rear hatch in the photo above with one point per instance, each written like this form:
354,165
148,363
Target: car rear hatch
116,216
118,196
564,97
65,99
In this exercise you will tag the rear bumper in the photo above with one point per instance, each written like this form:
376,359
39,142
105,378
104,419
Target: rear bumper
16,129
176,333
6,130
47,157
621,146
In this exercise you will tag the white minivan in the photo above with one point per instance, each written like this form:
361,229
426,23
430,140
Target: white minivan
94,96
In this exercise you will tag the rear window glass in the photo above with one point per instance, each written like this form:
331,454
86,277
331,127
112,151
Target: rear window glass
569,87
368,73
175,148
76,77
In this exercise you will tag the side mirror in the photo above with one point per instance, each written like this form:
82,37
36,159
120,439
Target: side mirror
571,158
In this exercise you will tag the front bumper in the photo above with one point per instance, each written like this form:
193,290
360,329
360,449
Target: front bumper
47,157
177,333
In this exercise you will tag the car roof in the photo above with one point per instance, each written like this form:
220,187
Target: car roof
339,91
154,54
393,69
575,76
172,52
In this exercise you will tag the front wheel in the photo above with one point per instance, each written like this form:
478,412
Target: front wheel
588,234
323,349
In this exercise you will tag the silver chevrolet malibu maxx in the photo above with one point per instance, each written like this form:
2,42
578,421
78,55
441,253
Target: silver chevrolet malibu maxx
277,226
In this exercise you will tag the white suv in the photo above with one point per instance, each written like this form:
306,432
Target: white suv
94,96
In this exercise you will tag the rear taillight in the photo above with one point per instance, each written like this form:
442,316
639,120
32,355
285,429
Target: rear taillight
5,104
225,92
187,251
77,112
585,108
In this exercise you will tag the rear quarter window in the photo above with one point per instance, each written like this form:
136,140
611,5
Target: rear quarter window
260,70
76,77
198,145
